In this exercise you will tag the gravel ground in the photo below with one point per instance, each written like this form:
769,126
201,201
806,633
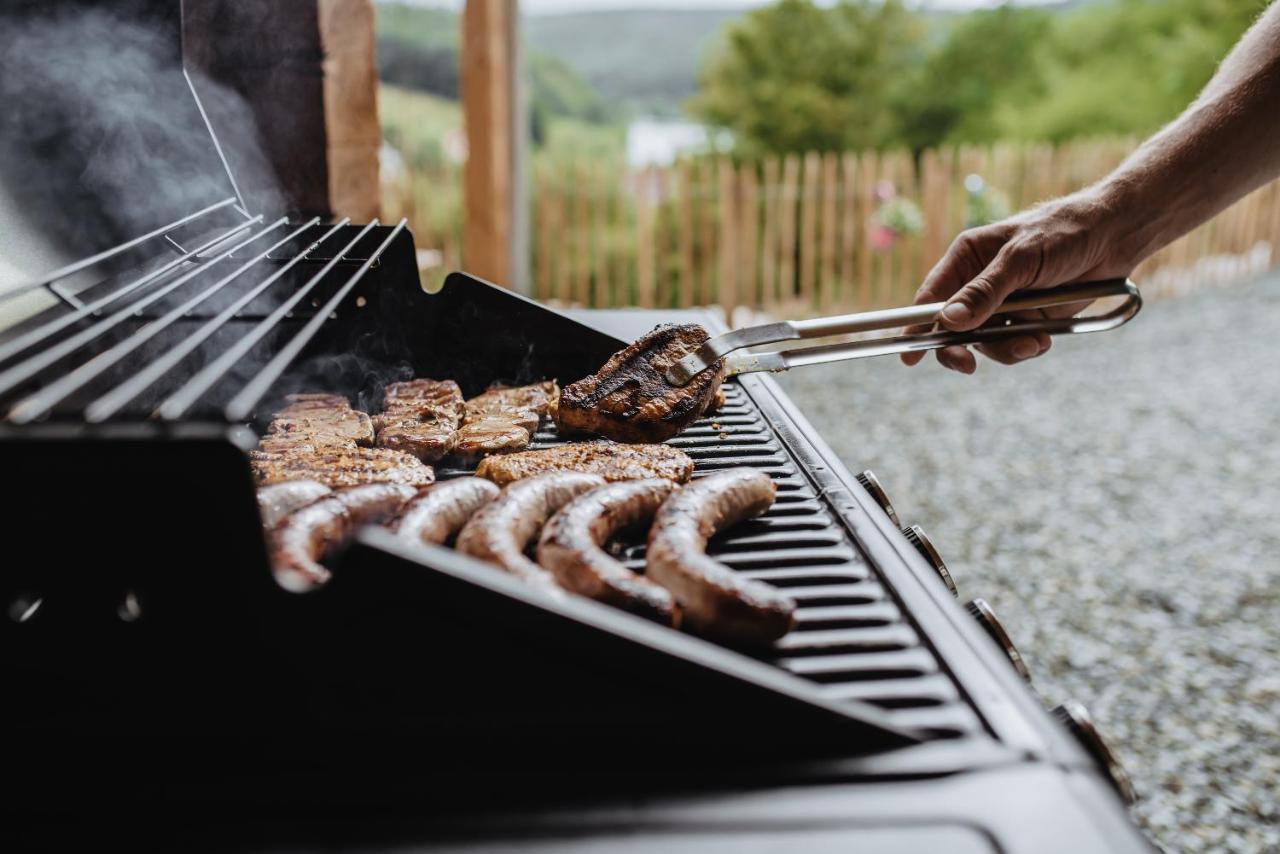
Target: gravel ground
1118,503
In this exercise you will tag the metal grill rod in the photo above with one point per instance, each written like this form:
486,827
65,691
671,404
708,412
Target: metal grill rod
107,405
40,333
242,404
42,401
184,398
30,367
85,263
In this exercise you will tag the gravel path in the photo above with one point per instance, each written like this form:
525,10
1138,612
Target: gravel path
1118,503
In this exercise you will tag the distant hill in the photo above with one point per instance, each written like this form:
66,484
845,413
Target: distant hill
647,59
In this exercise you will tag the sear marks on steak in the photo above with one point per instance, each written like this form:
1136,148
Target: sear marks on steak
610,461
439,511
716,601
630,400
420,417
280,499
320,419
503,419
571,547
495,435
300,540
500,531
340,467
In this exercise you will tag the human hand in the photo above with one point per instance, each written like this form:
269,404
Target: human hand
1066,240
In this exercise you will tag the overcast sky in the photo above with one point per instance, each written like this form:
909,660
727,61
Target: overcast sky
536,7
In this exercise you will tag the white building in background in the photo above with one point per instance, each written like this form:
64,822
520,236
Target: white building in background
658,142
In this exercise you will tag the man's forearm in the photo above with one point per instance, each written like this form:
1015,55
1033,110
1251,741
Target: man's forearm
1226,144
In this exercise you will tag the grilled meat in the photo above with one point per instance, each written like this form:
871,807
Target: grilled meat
500,531
439,511
280,499
326,419
340,467
299,541
539,398
609,460
630,400
495,435
420,417
570,547
714,600
503,419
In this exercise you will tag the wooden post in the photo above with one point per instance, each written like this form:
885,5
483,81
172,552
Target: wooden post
644,238
684,235
787,242
488,105
750,215
809,226
827,263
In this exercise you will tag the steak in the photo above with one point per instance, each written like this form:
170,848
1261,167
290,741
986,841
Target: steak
339,467
420,417
630,400
503,419
320,419
610,461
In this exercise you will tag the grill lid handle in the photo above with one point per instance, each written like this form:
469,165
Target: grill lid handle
1082,292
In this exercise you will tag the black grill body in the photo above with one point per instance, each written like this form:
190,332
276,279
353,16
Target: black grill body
421,682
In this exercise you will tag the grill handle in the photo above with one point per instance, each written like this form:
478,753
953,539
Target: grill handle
719,347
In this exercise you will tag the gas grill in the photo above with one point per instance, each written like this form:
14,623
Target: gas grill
422,698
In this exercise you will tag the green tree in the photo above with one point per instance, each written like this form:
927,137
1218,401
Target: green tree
987,58
795,76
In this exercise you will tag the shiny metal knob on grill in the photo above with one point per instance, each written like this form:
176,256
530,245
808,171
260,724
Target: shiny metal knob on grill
1076,719
986,618
917,537
871,484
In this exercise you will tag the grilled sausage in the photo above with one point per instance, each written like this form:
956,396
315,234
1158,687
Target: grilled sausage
301,539
439,511
500,531
570,547
280,499
714,600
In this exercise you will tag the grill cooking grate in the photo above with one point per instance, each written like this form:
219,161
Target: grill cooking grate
851,636
112,349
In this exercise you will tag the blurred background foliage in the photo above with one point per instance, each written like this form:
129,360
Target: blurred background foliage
796,76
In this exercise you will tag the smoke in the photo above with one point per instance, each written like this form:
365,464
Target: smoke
100,137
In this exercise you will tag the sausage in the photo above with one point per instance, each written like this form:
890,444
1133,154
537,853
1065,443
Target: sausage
500,531
716,601
298,542
439,511
280,499
570,547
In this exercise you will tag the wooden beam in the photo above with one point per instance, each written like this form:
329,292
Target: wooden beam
488,106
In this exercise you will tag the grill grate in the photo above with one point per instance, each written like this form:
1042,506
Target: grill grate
115,354
851,637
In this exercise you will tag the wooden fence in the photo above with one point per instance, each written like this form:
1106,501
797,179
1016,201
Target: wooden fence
812,233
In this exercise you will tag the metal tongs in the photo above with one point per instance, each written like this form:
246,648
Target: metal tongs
819,327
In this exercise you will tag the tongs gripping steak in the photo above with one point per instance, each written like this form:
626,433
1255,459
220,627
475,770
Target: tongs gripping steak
630,399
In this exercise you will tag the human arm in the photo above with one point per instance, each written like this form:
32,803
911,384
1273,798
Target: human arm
1223,146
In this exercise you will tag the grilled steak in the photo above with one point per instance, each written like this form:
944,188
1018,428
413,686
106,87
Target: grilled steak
301,539
323,419
495,435
280,499
609,460
503,419
439,511
630,400
420,417
570,547
716,601
339,467
500,531
538,398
